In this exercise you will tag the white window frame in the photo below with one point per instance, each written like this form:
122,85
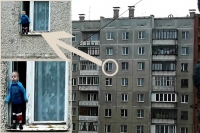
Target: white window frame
92,97
165,94
109,81
109,113
141,66
123,129
74,82
92,78
109,66
125,35
186,49
184,98
30,94
140,98
139,82
184,67
124,97
141,51
106,128
32,16
74,69
73,96
141,35
126,65
139,113
185,130
88,66
111,34
126,49
107,97
74,37
185,35
109,51
125,113
140,129
124,81
164,81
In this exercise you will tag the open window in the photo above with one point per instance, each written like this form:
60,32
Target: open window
39,15
46,85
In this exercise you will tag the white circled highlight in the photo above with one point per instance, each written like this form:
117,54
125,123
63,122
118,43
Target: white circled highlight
117,67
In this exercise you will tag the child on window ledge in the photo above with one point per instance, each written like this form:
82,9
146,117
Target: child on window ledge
16,95
24,20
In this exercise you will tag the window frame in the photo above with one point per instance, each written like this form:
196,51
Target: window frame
125,35
109,66
76,67
123,128
141,51
186,50
73,96
74,82
109,51
93,78
73,111
31,16
109,113
141,35
140,113
141,66
108,80
184,67
183,85
106,128
139,82
164,81
185,35
124,113
139,98
161,97
30,93
111,34
107,97
125,65
126,49
92,97
73,126
184,98
75,38
87,65
124,97
184,130
140,129
124,81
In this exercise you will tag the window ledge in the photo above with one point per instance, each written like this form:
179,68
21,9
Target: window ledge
33,33
39,128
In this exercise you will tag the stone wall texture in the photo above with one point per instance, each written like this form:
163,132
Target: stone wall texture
14,45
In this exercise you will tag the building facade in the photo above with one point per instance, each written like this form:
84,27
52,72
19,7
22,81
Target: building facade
153,89
45,16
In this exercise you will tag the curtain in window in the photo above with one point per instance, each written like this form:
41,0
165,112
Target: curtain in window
41,16
49,93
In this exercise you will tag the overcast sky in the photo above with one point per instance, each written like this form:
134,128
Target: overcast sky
159,8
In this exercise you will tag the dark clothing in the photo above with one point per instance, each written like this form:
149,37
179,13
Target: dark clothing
25,28
17,112
24,19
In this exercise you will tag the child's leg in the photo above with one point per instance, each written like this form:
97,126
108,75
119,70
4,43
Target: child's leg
14,117
19,115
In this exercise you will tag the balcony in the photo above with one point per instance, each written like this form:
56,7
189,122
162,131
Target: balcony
89,103
89,72
88,88
164,57
164,73
88,127
89,43
88,118
163,88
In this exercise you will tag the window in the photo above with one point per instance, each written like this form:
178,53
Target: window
124,112
125,35
140,98
141,65
88,80
110,36
92,97
108,81
109,66
74,67
88,126
109,51
184,130
108,98
91,50
184,83
107,128
108,113
160,34
164,114
184,67
74,38
141,35
125,50
73,81
73,126
40,19
185,34
164,81
140,113
124,129
163,66
73,96
140,50
184,99
166,128
140,82
124,81
124,65
140,129
47,90
165,50
184,115
165,97
185,50
87,65
73,111
124,97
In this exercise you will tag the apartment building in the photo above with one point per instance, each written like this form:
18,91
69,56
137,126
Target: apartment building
151,93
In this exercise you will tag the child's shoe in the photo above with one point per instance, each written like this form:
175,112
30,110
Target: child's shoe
20,126
14,126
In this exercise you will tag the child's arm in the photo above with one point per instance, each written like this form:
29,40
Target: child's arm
20,21
24,92
8,96
28,19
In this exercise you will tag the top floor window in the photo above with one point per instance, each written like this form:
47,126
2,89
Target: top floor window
109,36
170,34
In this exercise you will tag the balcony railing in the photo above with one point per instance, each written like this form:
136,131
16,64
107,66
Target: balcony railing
88,88
88,118
88,103
89,43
